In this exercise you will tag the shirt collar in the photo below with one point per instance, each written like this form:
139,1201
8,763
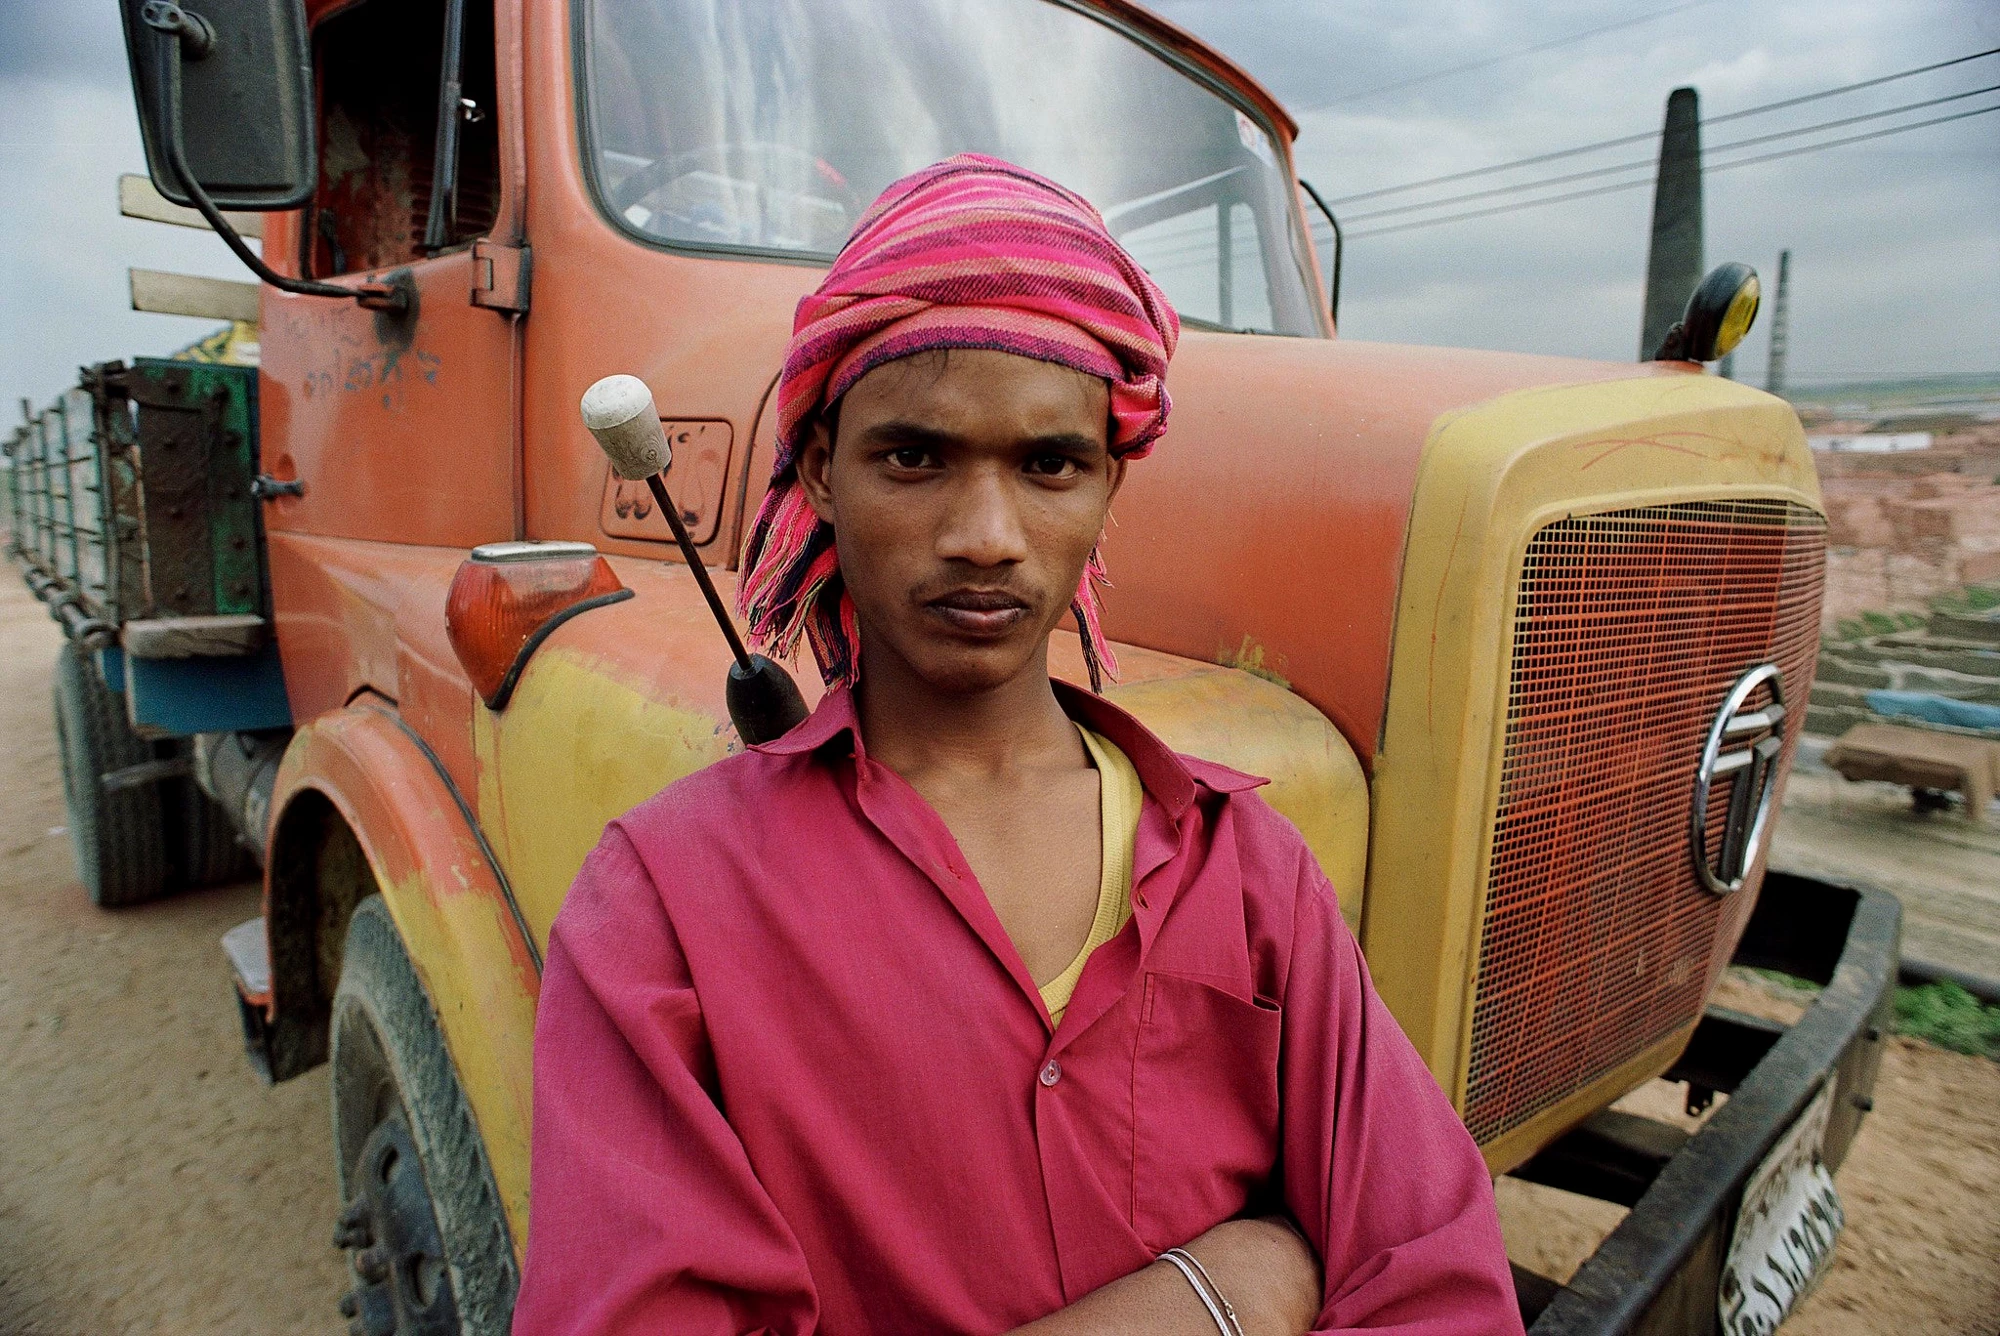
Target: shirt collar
1171,780
833,716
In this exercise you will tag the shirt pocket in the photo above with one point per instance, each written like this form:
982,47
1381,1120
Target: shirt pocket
1204,1107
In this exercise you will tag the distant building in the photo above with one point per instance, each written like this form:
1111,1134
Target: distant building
1872,443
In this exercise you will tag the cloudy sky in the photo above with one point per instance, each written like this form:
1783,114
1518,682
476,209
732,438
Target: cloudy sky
1895,243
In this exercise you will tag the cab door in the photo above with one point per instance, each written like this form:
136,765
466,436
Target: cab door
400,426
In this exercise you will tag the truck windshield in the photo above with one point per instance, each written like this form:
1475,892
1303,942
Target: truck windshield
769,125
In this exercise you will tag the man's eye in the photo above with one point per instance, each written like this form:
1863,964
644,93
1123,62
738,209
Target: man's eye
1052,466
910,457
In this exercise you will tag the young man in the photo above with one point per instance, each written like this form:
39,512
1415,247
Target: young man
955,1008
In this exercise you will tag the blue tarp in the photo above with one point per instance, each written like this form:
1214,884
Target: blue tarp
1933,709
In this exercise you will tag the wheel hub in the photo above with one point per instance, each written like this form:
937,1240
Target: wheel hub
402,1286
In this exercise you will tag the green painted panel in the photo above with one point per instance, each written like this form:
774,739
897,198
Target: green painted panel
197,435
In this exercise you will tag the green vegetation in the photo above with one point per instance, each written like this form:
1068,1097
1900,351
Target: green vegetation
1946,1015
1937,1013
1787,986
1972,598
1880,623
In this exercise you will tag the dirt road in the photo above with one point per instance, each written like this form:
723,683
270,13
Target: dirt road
1921,1252
149,1183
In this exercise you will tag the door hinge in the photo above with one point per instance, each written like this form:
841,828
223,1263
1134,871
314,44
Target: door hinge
500,276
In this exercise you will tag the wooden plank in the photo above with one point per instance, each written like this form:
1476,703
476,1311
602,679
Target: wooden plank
190,637
137,198
186,294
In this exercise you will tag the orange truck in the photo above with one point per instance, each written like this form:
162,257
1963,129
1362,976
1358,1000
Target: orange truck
1523,643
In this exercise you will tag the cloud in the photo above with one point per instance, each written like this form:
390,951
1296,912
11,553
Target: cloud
64,248
1896,244
63,40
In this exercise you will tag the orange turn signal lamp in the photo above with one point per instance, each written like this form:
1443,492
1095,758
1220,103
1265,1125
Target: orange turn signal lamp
508,597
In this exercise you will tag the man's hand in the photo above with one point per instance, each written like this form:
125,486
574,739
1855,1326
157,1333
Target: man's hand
1263,1267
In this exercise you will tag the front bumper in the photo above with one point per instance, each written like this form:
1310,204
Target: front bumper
1658,1272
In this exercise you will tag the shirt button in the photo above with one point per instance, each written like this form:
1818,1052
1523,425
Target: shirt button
1051,1072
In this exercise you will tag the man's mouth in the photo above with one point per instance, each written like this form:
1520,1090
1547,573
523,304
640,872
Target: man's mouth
986,613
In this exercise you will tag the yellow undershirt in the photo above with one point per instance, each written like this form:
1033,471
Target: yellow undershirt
1120,796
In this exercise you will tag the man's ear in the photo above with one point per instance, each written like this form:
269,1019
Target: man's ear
1117,480
815,465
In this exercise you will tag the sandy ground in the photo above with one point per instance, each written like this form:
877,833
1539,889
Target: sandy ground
1921,1252
1945,869
149,1183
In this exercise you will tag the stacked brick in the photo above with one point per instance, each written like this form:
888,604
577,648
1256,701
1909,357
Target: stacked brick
1955,654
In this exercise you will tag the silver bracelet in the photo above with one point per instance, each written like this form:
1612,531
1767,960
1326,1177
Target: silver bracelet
1229,1311
1192,1271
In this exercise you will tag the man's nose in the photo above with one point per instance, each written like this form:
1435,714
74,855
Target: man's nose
982,524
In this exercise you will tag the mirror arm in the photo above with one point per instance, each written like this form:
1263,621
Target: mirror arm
1673,348
1339,244
195,34
173,24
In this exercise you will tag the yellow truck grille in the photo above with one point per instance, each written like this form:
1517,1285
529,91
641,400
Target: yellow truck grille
1597,941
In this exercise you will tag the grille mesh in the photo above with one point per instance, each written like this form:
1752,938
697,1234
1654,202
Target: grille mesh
1597,941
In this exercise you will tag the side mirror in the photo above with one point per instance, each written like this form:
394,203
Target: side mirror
1718,315
1331,266
225,107
233,80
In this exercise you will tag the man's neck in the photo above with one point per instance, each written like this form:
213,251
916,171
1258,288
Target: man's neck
913,728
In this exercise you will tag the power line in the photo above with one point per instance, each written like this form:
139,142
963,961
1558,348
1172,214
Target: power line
1623,140
1851,139
1804,98
1510,55
1633,185
1875,375
1648,163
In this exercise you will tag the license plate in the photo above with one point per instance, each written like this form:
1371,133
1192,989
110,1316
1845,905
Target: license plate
1785,1231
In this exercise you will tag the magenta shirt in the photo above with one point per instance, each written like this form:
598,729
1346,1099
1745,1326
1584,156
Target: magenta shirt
791,1075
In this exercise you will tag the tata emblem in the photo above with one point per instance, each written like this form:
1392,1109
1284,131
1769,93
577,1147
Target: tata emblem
1742,752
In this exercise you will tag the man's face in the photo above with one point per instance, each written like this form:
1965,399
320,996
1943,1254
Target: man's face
965,490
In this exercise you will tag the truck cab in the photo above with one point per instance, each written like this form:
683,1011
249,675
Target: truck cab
1485,620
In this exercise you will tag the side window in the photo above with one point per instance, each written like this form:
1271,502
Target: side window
1241,261
1210,260
385,130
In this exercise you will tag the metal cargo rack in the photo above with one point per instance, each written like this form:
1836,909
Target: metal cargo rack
135,519
64,515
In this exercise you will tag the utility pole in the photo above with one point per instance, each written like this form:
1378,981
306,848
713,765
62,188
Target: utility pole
1774,374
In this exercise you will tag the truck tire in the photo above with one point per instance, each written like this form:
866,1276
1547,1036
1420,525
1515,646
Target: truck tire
429,1243
118,835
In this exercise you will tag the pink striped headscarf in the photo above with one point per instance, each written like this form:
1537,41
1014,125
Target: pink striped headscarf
972,252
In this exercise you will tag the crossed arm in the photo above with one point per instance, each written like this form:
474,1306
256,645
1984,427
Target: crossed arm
1375,1168
1388,1190
1263,1267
